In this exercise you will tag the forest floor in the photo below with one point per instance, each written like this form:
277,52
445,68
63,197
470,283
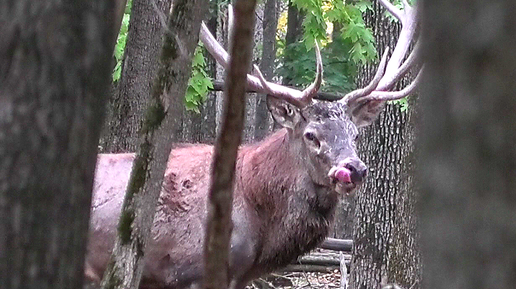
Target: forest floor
319,269
297,280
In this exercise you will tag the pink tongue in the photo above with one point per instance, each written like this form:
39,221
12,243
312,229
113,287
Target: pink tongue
343,175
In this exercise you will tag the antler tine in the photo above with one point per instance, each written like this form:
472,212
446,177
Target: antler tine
392,9
258,82
405,4
402,70
353,95
213,46
395,68
406,36
263,81
393,95
309,92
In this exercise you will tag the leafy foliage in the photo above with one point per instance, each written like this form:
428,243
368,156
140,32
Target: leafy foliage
199,84
121,41
299,65
352,44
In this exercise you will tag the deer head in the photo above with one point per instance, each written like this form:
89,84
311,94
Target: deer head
327,130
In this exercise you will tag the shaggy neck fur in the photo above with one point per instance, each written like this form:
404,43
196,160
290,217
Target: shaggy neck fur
292,212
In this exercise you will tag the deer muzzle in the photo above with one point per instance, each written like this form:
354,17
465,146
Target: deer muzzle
348,174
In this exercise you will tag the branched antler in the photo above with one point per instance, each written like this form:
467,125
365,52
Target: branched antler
376,92
388,74
258,83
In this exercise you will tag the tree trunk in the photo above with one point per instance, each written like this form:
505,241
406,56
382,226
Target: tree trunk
222,38
385,238
139,69
125,269
294,31
262,120
467,168
218,224
209,109
54,73
200,127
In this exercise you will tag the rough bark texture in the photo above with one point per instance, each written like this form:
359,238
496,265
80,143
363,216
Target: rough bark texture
222,38
54,75
218,226
209,109
294,30
155,143
200,127
119,15
468,151
385,237
345,212
127,107
262,122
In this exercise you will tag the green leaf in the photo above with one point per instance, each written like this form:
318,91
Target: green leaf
121,42
199,83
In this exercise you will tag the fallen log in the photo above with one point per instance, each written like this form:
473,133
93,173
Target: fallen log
337,244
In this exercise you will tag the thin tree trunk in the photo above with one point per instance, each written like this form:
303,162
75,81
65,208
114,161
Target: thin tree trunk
209,110
218,225
55,63
385,240
222,38
125,269
270,22
468,152
345,211
294,31
138,71
119,15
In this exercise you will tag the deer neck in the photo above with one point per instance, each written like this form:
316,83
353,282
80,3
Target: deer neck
273,174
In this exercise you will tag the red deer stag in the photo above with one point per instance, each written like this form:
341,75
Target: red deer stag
286,187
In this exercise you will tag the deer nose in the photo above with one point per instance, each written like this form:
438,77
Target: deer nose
358,170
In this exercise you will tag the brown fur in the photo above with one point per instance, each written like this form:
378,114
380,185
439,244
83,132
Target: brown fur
283,205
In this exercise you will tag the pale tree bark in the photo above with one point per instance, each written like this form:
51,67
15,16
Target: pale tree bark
54,72
467,168
218,225
385,238
127,107
126,266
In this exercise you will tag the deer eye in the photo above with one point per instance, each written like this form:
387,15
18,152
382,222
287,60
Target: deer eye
310,136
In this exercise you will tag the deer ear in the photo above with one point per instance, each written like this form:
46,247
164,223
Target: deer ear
364,114
285,114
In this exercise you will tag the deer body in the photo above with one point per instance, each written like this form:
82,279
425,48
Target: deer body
284,200
286,187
